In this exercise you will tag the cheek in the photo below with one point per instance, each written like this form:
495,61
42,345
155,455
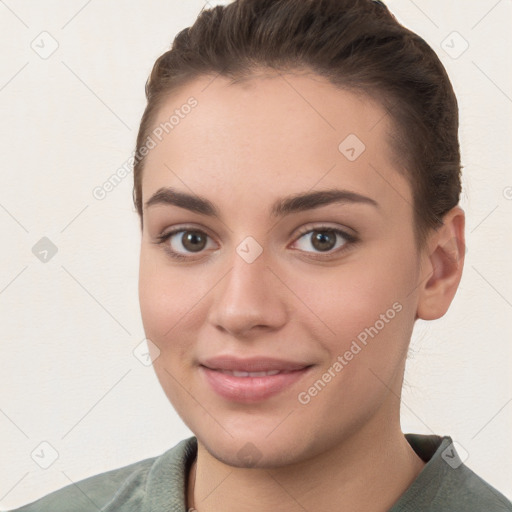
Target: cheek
363,309
153,301
158,297
349,298
164,314
171,303
169,310
362,324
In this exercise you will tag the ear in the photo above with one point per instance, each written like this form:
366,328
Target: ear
442,266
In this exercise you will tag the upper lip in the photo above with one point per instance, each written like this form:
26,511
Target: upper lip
252,364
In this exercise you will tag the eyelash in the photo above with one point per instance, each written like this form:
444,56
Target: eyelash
351,240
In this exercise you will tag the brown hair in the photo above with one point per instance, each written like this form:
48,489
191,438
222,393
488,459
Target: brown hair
358,45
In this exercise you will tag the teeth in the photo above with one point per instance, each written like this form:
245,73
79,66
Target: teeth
236,373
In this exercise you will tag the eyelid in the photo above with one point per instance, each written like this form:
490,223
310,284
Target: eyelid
315,226
351,239
166,235
185,227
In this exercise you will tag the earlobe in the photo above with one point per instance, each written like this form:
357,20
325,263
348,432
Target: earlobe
443,266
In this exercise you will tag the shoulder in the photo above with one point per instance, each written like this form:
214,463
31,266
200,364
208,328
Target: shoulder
470,492
125,488
446,483
93,493
132,487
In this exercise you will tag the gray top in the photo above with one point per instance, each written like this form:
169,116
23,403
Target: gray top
158,484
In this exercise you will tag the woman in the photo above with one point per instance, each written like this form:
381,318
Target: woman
309,150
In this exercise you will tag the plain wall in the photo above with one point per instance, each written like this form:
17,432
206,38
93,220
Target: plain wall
69,326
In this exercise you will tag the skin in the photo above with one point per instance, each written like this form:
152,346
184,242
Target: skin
242,147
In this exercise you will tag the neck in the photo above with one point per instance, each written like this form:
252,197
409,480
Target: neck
368,471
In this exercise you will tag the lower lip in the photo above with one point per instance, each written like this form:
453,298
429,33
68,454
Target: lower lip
250,389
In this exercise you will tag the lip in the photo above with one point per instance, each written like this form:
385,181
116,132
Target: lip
252,364
251,389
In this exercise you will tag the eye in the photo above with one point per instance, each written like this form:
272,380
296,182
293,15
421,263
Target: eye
182,241
325,239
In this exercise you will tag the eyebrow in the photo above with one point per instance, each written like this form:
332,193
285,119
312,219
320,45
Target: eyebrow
282,207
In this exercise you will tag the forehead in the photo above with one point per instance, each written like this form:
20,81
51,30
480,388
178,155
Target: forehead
272,134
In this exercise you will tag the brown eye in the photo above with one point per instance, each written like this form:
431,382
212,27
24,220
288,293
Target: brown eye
323,240
193,240
181,243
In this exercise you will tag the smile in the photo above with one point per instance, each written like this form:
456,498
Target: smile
244,386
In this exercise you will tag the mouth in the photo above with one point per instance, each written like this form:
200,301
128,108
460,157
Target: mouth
238,373
245,386
252,364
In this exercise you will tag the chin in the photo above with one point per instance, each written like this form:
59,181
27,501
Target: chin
260,447
249,454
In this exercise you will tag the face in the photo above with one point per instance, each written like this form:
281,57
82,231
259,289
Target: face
327,282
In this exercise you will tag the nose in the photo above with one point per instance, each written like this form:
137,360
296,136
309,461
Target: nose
249,298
